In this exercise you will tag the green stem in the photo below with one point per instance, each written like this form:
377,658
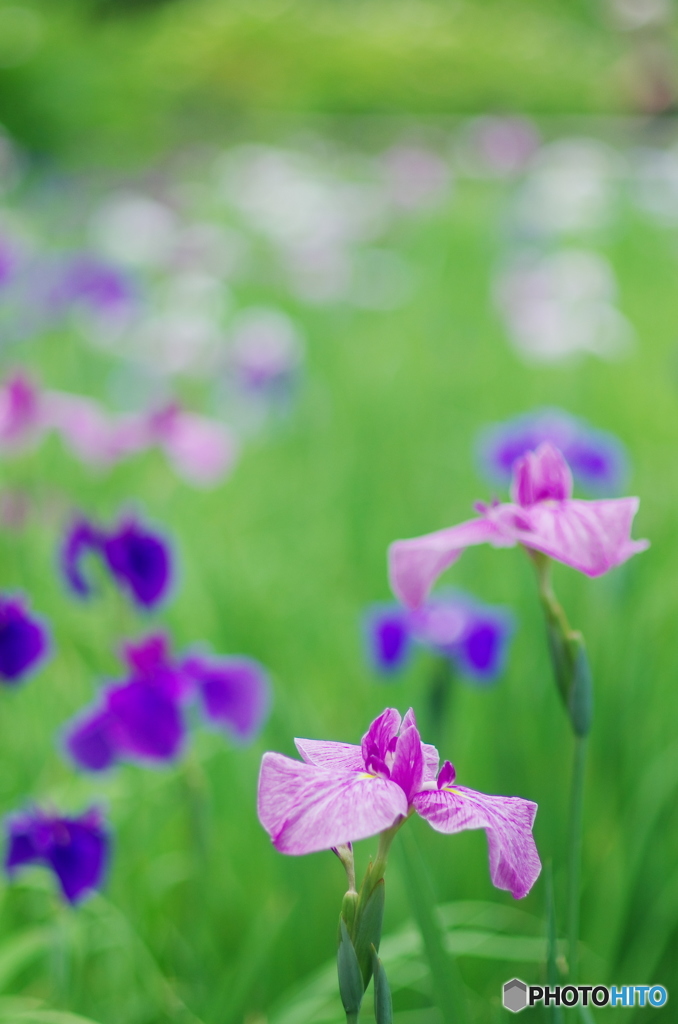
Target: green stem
574,846
440,698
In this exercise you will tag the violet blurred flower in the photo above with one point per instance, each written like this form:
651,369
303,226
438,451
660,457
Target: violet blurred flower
201,450
139,560
23,640
85,279
343,792
76,849
591,536
472,635
143,718
597,459
234,693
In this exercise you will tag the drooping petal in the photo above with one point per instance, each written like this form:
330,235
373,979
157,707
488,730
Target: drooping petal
201,450
78,854
514,861
542,475
235,693
92,740
481,652
591,536
148,721
415,564
306,809
388,637
141,562
381,732
408,764
23,641
346,757
21,845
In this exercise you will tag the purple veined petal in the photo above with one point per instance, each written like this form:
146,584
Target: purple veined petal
81,538
92,740
408,763
591,536
514,861
388,637
343,757
149,724
23,641
235,694
306,809
543,475
415,564
429,752
78,854
447,775
378,737
140,561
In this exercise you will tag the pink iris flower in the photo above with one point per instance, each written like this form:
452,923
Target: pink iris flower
591,536
342,792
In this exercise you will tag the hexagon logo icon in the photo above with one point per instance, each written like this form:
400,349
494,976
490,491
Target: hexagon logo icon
515,995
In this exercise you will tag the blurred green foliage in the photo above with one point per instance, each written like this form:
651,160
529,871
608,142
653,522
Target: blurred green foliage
119,80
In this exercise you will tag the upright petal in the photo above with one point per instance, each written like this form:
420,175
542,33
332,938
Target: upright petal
591,536
543,475
305,809
408,764
507,820
415,565
381,732
92,740
346,757
23,641
430,754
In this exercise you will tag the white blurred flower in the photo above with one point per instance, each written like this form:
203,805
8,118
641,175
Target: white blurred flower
497,146
415,178
656,183
563,305
571,187
266,347
134,230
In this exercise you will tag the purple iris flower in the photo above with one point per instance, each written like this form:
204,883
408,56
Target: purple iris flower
76,849
597,459
143,718
235,693
140,561
472,635
140,719
23,640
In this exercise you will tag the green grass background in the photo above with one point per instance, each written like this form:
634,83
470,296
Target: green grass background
201,919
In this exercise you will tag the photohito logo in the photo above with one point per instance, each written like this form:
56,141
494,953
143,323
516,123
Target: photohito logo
517,995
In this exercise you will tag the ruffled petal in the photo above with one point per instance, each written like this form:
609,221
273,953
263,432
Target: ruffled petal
415,565
346,757
507,820
305,809
591,536
381,733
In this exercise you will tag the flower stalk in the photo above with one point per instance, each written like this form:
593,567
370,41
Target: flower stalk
573,678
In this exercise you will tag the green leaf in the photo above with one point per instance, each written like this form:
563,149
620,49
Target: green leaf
18,952
447,984
350,977
552,973
370,923
383,1004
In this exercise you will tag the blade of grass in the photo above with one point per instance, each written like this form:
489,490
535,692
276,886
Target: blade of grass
447,984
